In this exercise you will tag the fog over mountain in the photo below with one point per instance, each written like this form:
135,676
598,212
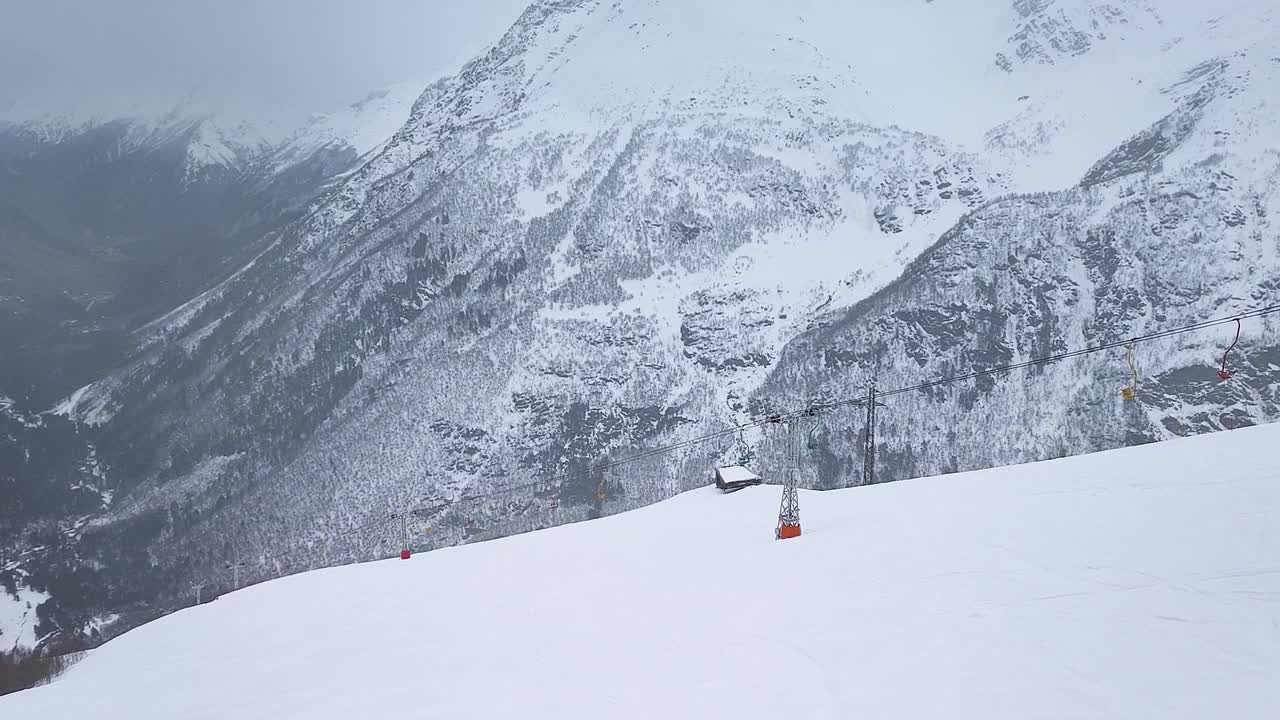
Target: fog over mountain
281,60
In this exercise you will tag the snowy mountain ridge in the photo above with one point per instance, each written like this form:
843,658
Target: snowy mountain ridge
216,140
213,141
362,127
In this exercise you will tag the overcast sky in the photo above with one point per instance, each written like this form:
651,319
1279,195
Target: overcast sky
282,58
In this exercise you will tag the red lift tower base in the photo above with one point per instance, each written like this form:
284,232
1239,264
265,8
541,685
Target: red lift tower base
789,512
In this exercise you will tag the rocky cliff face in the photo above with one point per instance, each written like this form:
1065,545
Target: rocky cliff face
1173,226
630,224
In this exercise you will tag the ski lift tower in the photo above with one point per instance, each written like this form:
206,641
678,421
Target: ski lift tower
789,512
869,448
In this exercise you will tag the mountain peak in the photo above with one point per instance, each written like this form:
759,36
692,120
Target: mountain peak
220,141
360,127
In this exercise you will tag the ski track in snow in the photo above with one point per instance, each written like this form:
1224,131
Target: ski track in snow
1133,583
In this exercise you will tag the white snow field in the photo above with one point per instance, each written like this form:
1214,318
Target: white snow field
1141,583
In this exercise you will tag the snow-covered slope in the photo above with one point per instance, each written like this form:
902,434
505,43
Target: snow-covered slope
360,128
18,617
1134,583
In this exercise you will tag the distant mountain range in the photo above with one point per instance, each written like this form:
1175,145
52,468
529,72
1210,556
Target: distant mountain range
107,223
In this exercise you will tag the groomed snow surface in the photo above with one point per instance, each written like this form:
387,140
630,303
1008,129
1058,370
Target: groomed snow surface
1142,583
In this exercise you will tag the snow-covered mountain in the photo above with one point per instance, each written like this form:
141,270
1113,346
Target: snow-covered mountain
360,128
217,141
105,223
210,143
629,224
111,221
1109,585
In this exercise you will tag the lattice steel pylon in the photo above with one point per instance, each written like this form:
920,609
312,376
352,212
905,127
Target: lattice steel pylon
405,552
789,512
869,448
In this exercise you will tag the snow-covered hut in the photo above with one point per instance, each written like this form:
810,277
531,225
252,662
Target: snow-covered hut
735,477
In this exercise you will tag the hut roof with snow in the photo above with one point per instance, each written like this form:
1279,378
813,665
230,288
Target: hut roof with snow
736,477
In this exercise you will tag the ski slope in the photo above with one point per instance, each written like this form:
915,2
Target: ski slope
1131,584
